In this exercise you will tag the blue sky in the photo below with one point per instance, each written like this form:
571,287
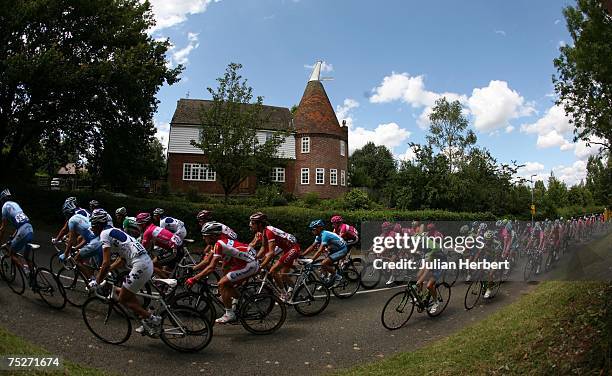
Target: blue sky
390,61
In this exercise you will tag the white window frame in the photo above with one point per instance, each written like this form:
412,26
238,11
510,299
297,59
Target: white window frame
342,148
320,173
305,145
307,181
333,176
198,172
278,174
343,178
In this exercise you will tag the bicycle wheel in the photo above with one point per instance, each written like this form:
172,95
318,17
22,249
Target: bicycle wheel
199,302
349,284
443,295
47,285
55,264
370,277
107,320
13,274
311,298
472,295
75,286
496,284
185,329
529,269
262,313
398,310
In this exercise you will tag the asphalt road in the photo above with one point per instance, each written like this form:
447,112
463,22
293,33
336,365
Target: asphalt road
347,333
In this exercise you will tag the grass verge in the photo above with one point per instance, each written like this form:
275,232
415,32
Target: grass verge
562,328
10,344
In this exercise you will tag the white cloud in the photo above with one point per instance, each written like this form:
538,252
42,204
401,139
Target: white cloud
552,129
408,155
553,138
495,105
182,56
557,21
562,43
509,129
170,13
571,175
163,132
389,135
343,112
325,67
531,168
583,152
402,86
500,32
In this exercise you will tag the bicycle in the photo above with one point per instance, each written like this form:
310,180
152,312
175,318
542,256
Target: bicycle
179,324
349,284
478,288
400,306
40,280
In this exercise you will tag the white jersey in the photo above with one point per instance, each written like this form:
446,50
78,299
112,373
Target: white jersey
124,245
172,224
231,234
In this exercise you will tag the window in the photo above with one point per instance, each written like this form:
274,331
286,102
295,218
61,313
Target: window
342,178
342,148
333,176
305,176
198,172
320,177
305,144
278,175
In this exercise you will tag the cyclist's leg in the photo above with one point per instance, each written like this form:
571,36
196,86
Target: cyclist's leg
19,243
141,273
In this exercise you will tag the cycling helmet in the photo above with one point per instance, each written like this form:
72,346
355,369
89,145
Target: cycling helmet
143,218
158,211
94,204
258,217
212,228
474,224
316,223
121,211
73,199
5,194
337,219
505,222
386,226
397,227
488,235
483,226
528,224
68,208
415,223
431,227
98,217
499,223
204,215
464,229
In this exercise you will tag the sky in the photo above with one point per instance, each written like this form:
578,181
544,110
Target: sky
390,60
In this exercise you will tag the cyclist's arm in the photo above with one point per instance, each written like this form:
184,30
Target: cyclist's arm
81,243
106,259
72,238
119,262
208,270
205,260
319,251
3,227
62,232
270,254
309,249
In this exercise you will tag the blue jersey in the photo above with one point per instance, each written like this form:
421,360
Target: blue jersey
332,241
80,224
82,212
12,212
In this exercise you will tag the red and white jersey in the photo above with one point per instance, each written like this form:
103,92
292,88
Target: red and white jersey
234,254
160,237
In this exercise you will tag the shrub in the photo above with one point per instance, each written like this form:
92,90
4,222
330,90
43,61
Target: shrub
311,199
279,201
267,194
192,195
356,199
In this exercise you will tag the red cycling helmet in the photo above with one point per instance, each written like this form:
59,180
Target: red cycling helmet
387,226
337,219
204,215
143,218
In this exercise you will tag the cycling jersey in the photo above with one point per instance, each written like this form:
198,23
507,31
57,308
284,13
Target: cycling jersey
283,240
80,224
235,255
160,237
228,233
82,212
12,212
347,232
333,242
171,224
124,245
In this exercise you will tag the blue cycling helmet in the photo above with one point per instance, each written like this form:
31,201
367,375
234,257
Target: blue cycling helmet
5,194
316,223
69,208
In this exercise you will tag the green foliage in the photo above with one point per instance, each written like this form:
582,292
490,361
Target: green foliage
599,179
229,132
77,75
266,195
311,199
371,166
193,195
356,199
584,81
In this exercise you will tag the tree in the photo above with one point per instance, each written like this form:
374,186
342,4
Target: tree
71,72
584,81
371,166
229,132
599,179
448,130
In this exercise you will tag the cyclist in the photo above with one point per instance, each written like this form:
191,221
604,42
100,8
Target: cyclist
433,249
347,232
171,224
95,205
238,257
64,230
88,247
171,245
24,233
334,244
134,256
271,239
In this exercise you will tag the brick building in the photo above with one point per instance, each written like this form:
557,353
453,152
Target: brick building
316,148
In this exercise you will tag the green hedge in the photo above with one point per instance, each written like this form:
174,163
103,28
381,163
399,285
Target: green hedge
45,206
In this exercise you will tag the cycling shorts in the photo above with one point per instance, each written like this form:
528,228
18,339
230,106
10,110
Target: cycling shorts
142,270
339,254
92,250
290,256
24,235
239,274
170,258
